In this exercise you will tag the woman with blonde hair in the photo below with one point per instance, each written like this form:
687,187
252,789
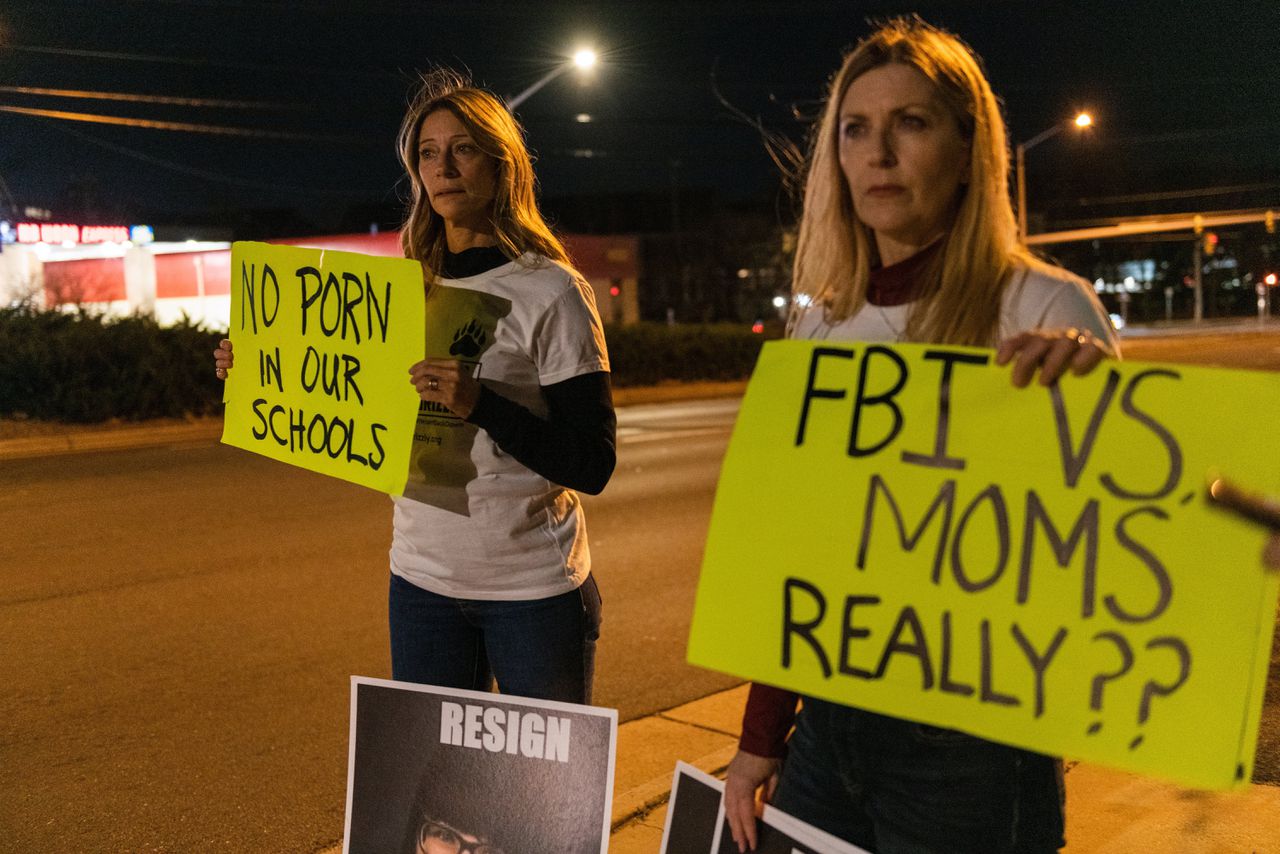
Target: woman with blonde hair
907,234
490,568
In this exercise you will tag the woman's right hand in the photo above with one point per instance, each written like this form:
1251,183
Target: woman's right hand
746,774
222,359
1053,352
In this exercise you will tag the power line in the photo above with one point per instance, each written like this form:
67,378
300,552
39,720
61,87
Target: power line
222,130
204,173
339,70
151,99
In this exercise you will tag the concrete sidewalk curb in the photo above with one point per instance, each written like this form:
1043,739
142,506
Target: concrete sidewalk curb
651,794
111,439
703,732
57,439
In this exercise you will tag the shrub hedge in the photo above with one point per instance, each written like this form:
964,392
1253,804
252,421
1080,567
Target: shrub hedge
648,353
81,367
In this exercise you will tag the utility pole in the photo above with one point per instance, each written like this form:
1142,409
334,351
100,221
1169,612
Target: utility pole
1198,283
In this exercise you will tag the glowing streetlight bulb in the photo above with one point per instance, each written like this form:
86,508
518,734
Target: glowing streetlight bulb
584,60
1082,121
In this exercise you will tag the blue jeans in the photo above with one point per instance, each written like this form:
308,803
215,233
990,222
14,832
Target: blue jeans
896,787
539,648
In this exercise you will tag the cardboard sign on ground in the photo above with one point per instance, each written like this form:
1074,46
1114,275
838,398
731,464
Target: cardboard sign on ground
518,774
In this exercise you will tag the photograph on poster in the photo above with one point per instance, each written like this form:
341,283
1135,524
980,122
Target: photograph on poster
444,770
696,823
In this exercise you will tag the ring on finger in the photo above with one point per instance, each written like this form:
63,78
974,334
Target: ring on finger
433,384
1082,339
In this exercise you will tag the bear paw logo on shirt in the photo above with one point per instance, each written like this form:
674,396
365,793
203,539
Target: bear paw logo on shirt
467,341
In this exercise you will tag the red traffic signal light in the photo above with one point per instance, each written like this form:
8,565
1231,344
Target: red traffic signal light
1210,242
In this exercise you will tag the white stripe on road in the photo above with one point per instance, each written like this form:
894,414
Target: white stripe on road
633,436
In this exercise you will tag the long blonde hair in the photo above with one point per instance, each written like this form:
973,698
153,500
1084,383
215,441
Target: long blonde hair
517,223
960,292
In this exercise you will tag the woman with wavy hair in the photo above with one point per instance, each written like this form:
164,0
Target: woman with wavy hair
490,568
512,213
907,234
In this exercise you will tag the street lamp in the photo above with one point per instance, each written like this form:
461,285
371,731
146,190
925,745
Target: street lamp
1081,121
584,60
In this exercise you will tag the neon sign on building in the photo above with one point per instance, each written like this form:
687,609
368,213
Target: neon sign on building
60,233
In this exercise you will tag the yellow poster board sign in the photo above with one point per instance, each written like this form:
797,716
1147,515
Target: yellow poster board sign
323,341
898,528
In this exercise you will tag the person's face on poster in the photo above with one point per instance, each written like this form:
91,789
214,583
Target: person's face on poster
437,837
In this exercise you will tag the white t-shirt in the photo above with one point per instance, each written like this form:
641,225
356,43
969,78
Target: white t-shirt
475,523
1052,299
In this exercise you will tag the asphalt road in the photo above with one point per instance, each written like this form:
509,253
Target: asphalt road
1237,346
178,626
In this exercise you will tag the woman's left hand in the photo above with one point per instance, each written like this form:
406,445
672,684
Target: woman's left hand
1053,351
747,775
446,382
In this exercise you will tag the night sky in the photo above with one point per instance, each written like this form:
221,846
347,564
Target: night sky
1187,97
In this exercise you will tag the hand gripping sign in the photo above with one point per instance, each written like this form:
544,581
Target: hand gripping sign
696,823
323,343
898,528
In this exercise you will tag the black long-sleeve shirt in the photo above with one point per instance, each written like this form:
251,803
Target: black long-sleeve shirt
576,444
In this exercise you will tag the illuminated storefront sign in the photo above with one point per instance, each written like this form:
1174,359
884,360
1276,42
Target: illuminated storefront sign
61,233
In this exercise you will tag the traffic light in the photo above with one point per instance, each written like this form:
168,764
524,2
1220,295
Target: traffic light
614,290
1269,220
1210,242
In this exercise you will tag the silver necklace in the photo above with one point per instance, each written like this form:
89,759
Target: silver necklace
899,334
